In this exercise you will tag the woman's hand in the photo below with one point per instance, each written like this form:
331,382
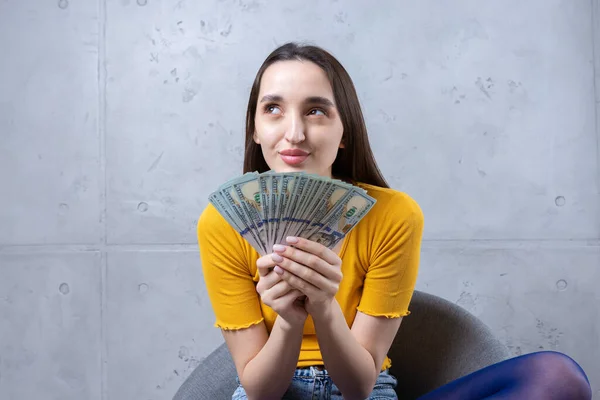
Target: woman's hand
311,268
279,294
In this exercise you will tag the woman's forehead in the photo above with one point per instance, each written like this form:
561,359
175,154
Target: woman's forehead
295,80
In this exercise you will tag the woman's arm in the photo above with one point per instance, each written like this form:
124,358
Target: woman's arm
265,363
387,290
353,356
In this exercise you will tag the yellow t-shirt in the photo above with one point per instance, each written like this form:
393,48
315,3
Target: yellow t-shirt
380,262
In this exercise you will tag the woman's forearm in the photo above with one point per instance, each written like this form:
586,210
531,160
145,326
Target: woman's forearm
269,373
349,364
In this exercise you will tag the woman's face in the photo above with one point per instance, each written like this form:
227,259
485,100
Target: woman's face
297,123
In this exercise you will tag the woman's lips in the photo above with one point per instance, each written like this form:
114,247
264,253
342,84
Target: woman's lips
293,160
293,157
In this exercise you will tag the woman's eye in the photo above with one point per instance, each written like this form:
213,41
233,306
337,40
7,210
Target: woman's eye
272,109
316,111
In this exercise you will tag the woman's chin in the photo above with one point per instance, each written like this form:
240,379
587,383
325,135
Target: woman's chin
298,168
290,168
306,171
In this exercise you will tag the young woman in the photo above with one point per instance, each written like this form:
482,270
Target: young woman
304,115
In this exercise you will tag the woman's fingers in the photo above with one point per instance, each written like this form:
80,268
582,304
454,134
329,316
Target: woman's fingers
266,282
302,285
313,262
290,296
304,265
278,290
314,248
265,265
304,278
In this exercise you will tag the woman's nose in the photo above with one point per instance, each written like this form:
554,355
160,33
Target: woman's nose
295,130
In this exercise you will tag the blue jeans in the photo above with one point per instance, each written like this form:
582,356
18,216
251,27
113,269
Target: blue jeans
312,383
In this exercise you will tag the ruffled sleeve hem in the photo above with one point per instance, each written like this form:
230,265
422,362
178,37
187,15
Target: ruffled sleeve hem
383,314
235,327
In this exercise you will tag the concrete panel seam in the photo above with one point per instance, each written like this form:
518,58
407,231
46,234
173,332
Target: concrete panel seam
595,14
102,81
512,245
193,248
103,326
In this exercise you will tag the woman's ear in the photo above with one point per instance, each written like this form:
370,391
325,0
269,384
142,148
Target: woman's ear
342,144
255,138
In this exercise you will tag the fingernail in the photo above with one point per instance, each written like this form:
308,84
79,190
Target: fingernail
278,270
278,247
291,239
276,258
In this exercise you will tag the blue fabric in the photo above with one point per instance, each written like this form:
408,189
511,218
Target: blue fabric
312,383
545,375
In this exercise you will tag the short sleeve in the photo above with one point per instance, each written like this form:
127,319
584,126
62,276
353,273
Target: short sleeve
227,276
394,262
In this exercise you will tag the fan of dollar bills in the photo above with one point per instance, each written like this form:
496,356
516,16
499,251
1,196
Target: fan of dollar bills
265,208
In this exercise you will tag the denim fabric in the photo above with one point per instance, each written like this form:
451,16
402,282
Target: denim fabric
312,384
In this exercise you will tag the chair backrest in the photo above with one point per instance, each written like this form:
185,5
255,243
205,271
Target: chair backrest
436,344
214,378
439,342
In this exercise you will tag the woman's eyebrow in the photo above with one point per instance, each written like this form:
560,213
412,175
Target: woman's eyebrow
271,97
323,101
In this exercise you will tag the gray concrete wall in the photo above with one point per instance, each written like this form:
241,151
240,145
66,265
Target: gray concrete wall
118,117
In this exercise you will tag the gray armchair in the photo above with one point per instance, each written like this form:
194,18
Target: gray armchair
437,343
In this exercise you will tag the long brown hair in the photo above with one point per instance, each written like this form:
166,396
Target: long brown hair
355,162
